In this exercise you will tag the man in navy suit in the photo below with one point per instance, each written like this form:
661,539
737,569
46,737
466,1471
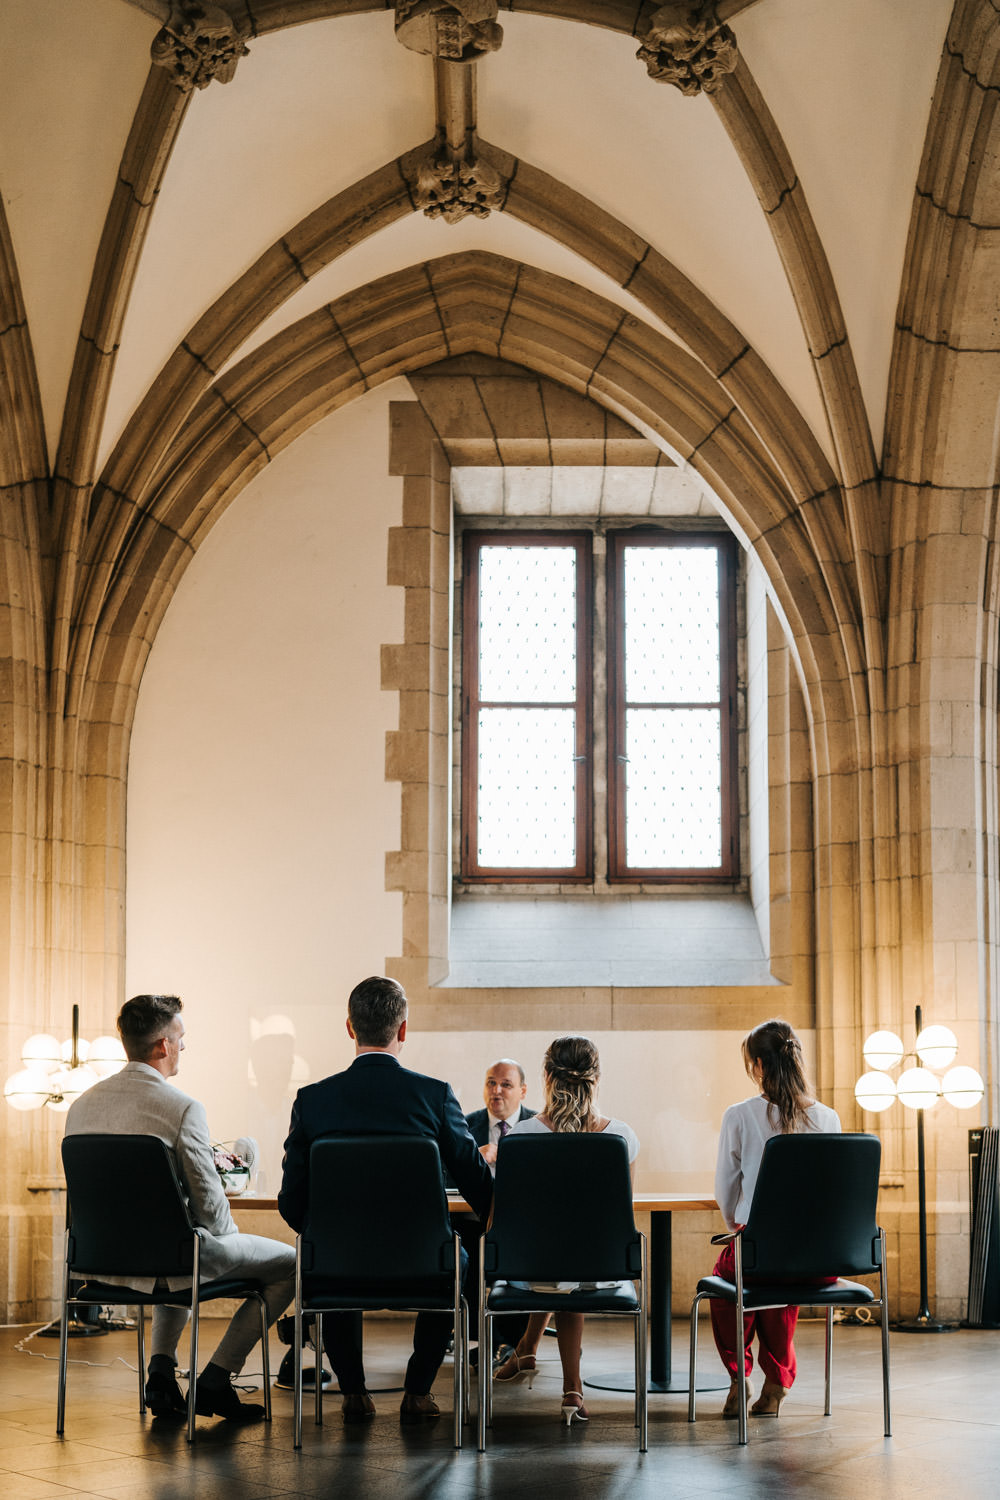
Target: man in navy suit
376,1096
503,1096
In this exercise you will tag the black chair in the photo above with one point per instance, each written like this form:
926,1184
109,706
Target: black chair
377,1237
562,1211
812,1215
128,1217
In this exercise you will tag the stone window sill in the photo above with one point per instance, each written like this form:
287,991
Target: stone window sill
552,942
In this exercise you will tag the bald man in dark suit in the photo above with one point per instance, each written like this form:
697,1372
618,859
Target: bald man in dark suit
503,1097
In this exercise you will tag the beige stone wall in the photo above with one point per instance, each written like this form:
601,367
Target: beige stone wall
882,582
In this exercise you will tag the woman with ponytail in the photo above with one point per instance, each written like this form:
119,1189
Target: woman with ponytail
571,1074
772,1056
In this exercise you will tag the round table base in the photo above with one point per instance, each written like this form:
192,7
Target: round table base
678,1385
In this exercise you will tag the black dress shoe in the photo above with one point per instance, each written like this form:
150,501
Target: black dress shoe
285,1378
415,1409
359,1407
163,1396
222,1401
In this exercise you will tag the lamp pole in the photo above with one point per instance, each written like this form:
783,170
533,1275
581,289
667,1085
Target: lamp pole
923,1322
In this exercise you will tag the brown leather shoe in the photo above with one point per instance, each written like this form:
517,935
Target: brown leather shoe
359,1408
415,1409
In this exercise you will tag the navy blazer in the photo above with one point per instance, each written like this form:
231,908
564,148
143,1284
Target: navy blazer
479,1123
376,1096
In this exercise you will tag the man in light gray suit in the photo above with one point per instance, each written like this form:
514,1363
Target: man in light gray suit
140,1101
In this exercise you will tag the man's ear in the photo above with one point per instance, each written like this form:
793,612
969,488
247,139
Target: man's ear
350,1030
401,1033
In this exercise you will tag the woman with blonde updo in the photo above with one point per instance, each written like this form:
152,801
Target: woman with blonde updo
571,1072
772,1056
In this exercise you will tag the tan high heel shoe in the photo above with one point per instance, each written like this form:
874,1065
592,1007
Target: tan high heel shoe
516,1367
573,1409
768,1403
732,1406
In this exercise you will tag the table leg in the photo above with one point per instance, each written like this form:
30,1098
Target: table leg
661,1265
661,1381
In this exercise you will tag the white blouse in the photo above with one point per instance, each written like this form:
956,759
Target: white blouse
746,1129
534,1126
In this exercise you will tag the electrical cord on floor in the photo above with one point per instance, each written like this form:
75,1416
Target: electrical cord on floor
21,1347
247,1381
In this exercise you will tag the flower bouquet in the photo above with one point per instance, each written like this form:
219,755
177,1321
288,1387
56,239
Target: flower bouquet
234,1165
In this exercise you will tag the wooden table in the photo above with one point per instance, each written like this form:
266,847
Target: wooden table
661,1207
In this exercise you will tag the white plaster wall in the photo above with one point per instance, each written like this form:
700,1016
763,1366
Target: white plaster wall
258,811
671,1086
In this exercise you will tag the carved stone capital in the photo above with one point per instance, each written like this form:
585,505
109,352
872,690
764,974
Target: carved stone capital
451,185
454,30
199,42
686,45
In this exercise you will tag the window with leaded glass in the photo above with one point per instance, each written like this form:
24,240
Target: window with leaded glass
526,783
671,725
664,784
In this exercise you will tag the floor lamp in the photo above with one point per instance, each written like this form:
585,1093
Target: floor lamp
918,1088
52,1075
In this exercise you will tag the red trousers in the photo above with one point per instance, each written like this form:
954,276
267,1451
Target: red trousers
774,1327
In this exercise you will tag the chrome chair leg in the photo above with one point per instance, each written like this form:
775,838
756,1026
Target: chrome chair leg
297,1351
884,1317
317,1338
193,1372
63,1350
693,1358
485,1371
466,1381
460,1346
741,1384
828,1403
140,1344
265,1357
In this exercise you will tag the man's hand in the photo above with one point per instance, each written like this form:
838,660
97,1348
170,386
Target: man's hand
489,1155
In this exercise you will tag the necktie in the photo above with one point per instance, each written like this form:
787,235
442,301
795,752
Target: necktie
503,1128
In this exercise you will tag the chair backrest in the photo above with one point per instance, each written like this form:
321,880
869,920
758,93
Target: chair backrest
127,1211
562,1210
378,1212
814,1206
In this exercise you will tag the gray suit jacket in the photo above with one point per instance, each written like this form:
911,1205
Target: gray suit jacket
140,1101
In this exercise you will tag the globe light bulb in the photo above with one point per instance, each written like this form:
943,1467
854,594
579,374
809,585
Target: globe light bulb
962,1087
27,1090
937,1047
875,1091
41,1053
918,1088
882,1050
106,1056
82,1049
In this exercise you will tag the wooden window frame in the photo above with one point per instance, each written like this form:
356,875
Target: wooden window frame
619,872
582,870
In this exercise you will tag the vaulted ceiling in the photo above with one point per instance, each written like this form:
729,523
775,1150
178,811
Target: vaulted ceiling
780,202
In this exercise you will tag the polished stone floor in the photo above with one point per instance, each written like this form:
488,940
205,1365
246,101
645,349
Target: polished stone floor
946,1432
